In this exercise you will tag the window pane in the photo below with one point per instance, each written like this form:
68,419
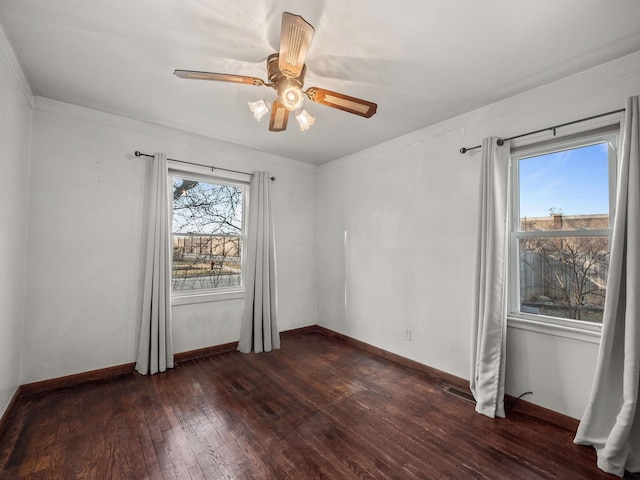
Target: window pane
203,262
200,207
566,190
207,235
564,276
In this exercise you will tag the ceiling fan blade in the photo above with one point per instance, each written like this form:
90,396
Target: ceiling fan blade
349,104
295,39
279,117
218,77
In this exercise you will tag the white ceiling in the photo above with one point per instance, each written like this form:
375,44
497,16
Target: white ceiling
421,61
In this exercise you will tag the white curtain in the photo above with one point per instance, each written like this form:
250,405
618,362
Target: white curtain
259,331
488,342
611,422
155,350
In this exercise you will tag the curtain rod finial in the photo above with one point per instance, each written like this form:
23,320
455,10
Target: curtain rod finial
463,150
137,153
500,142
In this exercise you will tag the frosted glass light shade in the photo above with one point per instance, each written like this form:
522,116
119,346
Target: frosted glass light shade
305,120
259,109
292,98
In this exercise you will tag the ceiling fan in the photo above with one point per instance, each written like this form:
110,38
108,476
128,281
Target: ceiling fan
285,71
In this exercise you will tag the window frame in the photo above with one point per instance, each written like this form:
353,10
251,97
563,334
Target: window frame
578,329
203,174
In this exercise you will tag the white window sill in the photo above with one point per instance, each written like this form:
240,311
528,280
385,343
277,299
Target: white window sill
205,297
583,331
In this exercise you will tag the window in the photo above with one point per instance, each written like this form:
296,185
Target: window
562,211
207,235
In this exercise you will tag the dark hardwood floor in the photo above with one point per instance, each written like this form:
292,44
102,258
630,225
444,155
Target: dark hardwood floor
317,408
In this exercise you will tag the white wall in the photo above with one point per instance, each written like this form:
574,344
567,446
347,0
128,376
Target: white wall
396,239
87,228
15,138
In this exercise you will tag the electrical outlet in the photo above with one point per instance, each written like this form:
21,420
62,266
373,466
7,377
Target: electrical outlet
407,334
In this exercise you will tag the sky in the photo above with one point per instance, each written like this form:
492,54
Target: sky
572,182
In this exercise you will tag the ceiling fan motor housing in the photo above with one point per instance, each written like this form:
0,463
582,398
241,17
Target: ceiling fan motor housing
289,88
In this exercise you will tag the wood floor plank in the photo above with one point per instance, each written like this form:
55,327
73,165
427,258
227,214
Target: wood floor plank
318,408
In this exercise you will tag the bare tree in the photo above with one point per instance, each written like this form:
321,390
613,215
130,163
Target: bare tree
567,272
210,208
570,271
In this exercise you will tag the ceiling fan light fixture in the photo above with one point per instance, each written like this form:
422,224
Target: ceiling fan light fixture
286,72
292,97
259,109
305,120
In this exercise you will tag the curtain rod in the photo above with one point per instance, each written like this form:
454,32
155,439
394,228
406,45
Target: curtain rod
140,154
501,141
